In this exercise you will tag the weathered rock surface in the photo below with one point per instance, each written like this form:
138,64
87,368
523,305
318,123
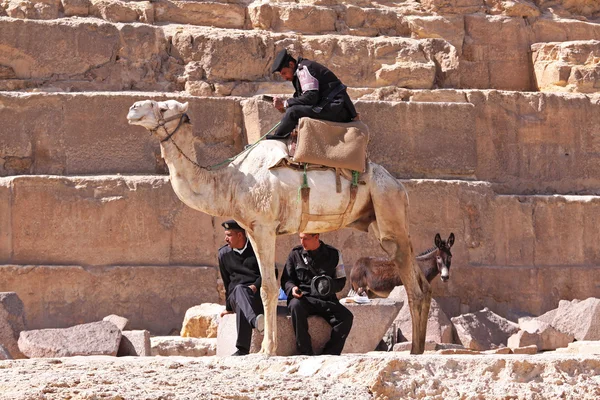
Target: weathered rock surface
134,343
202,321
120,322
567,66
12,322
180,346
384,375
542,334
4,354
370,323
483,330
580,318
586,347
96,338
153,298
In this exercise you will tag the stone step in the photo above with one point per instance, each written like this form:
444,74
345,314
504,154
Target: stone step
522,143
137,220
154,298
88,54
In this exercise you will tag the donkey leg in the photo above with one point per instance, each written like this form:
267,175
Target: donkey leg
263,242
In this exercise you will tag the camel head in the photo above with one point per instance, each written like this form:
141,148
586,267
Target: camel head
152,114
444,256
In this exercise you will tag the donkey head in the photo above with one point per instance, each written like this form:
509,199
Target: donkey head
443,259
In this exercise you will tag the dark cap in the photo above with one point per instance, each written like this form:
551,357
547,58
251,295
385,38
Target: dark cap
231,225
282,59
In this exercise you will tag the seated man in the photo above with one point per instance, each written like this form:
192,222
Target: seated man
313,274
242,280
318,94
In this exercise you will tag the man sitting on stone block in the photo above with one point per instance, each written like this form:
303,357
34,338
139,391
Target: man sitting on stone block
319,94
313,274
242,280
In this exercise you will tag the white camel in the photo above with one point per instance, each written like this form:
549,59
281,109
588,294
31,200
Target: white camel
265,202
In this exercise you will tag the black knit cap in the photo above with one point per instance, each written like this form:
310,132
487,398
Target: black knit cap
282,60
231,225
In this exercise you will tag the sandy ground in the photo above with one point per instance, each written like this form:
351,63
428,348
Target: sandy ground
371,376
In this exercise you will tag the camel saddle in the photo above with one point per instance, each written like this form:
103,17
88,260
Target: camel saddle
332,144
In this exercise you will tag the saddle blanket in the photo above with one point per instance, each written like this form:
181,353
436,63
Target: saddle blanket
334,144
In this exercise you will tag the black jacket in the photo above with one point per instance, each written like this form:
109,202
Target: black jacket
327,82
238,269
326,260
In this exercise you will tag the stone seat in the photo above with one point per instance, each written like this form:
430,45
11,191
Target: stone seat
371,321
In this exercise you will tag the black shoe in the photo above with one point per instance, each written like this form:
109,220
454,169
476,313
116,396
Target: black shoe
239,353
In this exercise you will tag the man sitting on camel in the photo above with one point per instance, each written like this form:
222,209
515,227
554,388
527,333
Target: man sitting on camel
319,94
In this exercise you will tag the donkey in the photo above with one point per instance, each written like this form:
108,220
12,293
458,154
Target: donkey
375,276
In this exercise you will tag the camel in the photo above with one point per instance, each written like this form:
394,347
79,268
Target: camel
264,201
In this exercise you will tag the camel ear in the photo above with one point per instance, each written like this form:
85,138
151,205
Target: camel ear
163,106
450,240
183,107
438,240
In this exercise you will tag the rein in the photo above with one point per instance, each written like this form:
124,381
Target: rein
185,118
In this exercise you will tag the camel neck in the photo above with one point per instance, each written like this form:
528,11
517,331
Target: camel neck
197,187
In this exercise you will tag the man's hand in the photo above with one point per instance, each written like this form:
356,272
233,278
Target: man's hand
253,288
296,292
225,312
278,104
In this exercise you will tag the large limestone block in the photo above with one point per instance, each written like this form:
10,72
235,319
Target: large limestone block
363,21
32,9
439,327
91,134
152,298
556,135
357,61
513,8
453,6
179,346
492,60
220,15
122,11
93,339
370,323
291,17
568,8
12,322
202,321
120,322
579,318
107,221
483,330
86,54
549,337
567,66
448,27
135,343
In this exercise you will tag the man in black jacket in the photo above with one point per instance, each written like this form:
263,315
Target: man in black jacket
313,274
319,94
241,278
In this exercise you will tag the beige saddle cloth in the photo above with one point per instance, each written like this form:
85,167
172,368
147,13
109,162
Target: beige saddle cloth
333,144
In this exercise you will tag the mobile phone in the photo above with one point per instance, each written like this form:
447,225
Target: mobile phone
267,98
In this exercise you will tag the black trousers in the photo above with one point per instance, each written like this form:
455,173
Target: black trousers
335,112
247,305
338,316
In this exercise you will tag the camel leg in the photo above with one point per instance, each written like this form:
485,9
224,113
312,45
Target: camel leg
263,242
392,226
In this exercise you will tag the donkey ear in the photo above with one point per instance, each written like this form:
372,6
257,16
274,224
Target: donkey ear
450,241
438,240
